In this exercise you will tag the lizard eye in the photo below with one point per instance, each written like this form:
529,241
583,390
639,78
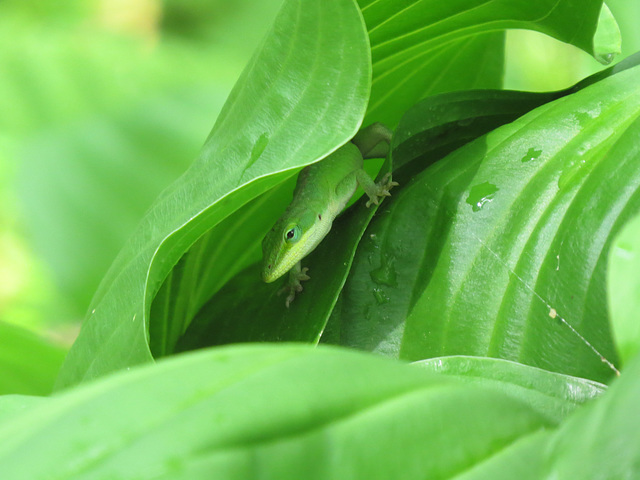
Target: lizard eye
292,234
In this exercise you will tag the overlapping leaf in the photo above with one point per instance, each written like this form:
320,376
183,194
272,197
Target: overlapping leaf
312,71
602,440
270,412
243,147
552,394
227,317
624,290
500,248
15,405
424,47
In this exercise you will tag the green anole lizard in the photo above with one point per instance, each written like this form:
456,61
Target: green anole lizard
322,191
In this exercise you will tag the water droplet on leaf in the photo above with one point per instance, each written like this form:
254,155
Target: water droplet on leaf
531,154
480,195
380,296
386,274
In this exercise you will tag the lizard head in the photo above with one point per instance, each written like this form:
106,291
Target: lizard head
291,239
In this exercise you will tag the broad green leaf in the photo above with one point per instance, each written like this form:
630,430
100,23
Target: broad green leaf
413,44
624,290
273,412
216,257
552,394
602,440
303,94
15,405
439,124
445,69
500,248
432,128
28,364
522,460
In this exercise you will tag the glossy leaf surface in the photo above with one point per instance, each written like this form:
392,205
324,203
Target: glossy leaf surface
602,440
227,317
422,47
552,394
499,249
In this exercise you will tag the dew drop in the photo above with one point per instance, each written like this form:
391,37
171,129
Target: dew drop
386,273
531,154
481,194
605,58
380,296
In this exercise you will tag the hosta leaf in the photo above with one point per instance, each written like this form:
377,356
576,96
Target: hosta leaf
522,460
445,69
499,249
420,47
14,405
624,290
303,94
552,394
435,126
601,441
28,364
272,412
607,41
208,265
439,124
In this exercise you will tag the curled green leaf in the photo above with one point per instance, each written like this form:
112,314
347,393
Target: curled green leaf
312,70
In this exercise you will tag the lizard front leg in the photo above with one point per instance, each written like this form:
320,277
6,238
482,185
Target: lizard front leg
296,275
375,191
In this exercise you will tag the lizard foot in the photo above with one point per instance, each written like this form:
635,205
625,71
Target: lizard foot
381,190
293,285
